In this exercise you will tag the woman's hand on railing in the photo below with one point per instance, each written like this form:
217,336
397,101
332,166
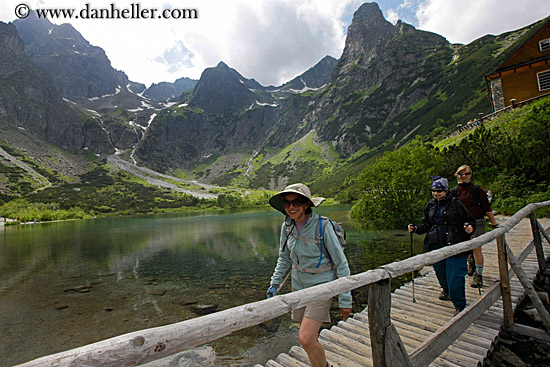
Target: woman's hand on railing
272,290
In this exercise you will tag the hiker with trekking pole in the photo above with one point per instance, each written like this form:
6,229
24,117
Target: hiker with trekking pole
412,254
312,245
447,222
475,199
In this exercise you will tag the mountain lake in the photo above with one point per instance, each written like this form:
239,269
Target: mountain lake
68,284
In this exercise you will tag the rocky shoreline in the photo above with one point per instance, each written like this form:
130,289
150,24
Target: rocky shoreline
517,350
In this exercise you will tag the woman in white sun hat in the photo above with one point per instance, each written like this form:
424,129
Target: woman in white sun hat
312,263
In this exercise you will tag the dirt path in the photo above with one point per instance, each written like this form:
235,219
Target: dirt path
42,181
162,180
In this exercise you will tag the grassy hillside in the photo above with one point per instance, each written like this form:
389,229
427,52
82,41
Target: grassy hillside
509,156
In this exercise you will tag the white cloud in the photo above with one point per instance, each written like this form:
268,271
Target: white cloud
282,39
403,10
392,16
466,20
271,41
405,4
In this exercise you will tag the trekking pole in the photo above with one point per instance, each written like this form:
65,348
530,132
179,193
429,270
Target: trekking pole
478,288
273,325
284,280
412,272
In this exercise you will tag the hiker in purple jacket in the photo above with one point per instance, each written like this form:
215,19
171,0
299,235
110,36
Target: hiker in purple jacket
475,200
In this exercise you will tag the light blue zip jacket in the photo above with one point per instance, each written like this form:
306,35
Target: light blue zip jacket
306,254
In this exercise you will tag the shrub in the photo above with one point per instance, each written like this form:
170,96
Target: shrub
395,188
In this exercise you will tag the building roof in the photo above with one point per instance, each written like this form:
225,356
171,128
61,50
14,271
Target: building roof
521,56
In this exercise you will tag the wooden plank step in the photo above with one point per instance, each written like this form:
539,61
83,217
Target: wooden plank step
346,351
286,360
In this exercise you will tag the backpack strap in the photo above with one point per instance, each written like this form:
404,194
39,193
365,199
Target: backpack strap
321,269
320,239
288,229
454,191
304,239
475,194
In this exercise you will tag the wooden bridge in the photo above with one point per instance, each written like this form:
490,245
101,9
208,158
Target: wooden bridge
418,314
410,327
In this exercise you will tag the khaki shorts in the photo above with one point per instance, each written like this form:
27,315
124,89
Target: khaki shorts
480,228
318,311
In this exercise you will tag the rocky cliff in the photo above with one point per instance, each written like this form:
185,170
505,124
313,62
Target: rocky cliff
78,69
165,91
384,71
314,78
225,114
30,102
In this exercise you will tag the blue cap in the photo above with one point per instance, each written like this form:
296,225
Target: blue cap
440,183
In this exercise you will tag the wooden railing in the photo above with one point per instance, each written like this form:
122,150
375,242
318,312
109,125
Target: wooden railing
387,349
479,121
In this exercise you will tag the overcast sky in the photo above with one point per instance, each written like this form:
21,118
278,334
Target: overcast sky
271,41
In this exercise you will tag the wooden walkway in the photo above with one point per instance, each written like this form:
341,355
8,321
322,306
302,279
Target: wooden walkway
348,343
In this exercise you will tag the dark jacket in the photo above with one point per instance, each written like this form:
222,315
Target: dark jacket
444,221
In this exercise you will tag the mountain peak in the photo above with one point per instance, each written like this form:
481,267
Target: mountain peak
221,88
222,65
78,69
313,78
165,91
367,28
369,14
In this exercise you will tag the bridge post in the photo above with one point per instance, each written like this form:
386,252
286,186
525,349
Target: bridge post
529,289
505,289
386,345
542,231
537,242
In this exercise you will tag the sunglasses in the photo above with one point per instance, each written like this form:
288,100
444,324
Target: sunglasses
437,190
296,203
465,174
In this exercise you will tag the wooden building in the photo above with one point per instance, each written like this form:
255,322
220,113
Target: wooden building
525,74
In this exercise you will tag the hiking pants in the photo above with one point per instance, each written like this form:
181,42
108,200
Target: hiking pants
450,273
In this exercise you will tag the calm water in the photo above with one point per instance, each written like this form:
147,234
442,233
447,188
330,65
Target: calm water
67,284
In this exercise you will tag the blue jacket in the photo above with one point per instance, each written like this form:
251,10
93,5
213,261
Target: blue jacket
306,254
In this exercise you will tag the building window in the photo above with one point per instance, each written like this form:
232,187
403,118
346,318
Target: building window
544,45
544,80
